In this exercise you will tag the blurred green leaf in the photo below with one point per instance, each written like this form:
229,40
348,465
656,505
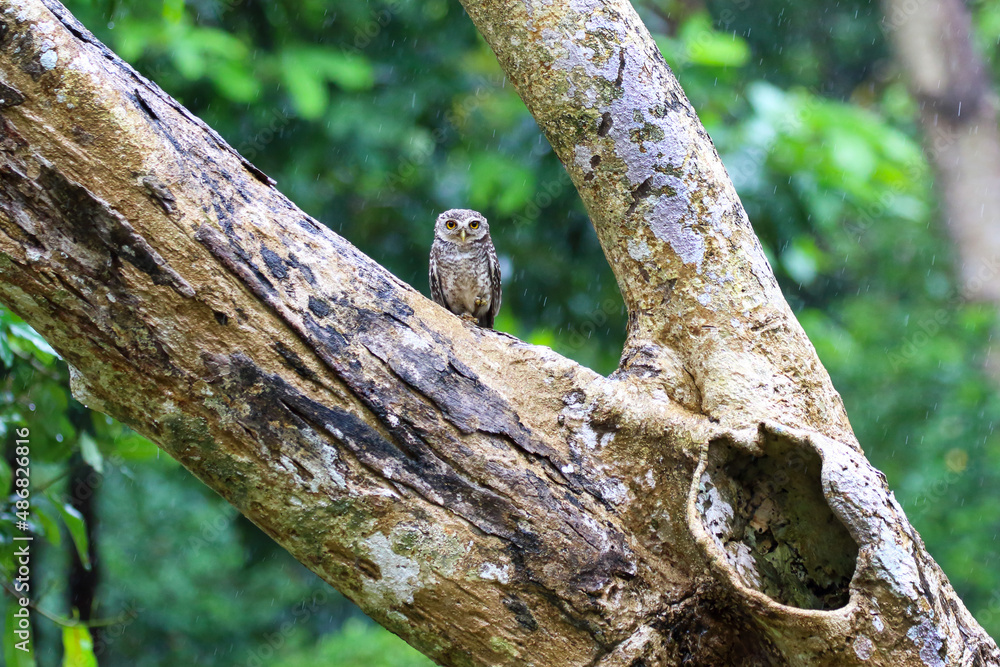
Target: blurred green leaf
852,154
706,46
22,333
802,259
130,446
307,89
543,337
6,354
6,475
90,452
189,62
307,70
78,647
46,514
173,10
235,81
350,72
77,530
501,183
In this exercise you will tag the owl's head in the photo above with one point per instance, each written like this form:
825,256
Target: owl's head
461,225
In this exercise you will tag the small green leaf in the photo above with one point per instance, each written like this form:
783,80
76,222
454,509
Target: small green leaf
13,642
78,647
77,530
91,454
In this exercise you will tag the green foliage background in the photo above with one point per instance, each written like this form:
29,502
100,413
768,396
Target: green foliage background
374,116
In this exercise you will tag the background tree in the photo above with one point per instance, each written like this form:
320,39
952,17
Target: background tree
935,45
811,171
937,49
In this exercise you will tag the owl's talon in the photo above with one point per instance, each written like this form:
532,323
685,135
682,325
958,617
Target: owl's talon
469,317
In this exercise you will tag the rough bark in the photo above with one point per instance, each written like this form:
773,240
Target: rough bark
958,114
489,501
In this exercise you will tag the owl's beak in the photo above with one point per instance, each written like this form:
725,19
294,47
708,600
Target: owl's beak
463,236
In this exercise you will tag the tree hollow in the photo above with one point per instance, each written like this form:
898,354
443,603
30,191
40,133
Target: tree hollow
767,514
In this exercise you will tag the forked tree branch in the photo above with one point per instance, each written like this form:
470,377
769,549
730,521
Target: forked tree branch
705,310
488,500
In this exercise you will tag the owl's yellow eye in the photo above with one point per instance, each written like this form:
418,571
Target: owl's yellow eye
450,224
474,224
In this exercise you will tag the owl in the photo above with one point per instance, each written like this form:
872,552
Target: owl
465,273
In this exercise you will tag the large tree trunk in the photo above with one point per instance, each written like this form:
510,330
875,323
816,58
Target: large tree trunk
489,501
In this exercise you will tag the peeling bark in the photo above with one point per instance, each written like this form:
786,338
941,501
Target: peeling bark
489,501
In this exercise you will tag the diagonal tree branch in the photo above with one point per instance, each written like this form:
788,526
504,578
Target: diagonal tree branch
705,311
489,501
